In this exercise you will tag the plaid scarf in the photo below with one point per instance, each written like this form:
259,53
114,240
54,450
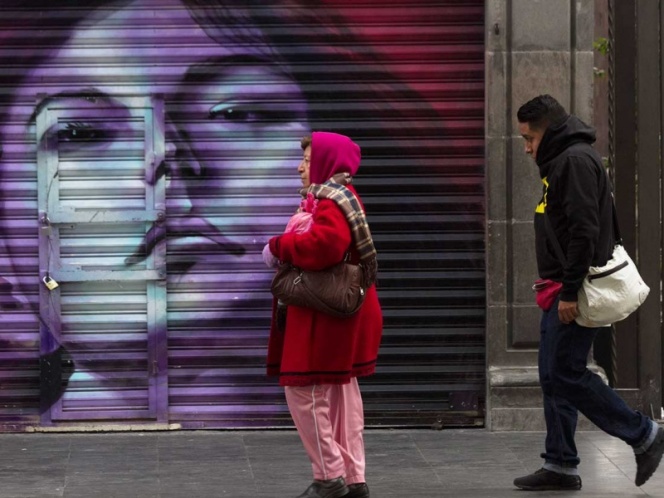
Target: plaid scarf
335,190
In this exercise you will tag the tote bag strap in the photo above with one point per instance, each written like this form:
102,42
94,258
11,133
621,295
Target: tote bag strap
616,228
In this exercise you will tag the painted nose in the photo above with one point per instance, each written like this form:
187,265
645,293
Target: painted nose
170,149
183,165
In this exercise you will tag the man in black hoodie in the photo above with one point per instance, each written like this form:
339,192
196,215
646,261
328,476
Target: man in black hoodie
577,205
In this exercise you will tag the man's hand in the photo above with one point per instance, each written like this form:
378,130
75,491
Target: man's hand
567,311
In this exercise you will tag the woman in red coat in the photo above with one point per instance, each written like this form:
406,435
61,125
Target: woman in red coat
318,357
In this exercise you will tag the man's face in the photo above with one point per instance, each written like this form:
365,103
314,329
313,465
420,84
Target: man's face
532,136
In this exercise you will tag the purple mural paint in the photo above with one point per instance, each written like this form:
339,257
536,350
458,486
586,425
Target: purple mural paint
149,150
226,140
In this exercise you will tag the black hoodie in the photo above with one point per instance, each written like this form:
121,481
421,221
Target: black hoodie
577,199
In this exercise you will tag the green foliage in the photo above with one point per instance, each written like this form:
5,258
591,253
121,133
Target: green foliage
601,44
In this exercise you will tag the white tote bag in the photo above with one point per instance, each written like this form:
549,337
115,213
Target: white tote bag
612,292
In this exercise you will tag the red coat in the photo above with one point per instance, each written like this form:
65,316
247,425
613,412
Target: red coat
317,348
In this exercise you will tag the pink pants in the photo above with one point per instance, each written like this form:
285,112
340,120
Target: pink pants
330,421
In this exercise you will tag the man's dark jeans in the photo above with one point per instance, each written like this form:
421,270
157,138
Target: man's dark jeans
569,386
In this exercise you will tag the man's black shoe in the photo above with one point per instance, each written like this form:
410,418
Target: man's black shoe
358,491
334,488
647,462
544,480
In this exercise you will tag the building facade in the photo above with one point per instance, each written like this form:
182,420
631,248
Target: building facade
149,150
536,47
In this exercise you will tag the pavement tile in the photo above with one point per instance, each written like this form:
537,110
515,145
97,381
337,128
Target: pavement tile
410,463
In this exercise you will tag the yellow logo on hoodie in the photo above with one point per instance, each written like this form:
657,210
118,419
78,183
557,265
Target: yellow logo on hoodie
541,207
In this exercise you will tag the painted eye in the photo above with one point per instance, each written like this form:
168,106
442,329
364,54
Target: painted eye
235,114
239,115
81,132
260,114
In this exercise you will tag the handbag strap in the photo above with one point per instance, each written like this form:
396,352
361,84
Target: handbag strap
554,240
334,189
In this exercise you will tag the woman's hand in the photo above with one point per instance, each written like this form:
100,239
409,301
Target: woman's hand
270,259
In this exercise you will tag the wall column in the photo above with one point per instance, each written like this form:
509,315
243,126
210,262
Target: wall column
532,47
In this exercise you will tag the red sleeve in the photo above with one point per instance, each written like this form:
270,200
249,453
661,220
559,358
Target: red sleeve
325,244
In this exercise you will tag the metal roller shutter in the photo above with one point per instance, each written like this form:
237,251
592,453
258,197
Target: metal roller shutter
404,81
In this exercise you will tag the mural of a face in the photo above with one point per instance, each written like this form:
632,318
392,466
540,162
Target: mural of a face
240,82
227,137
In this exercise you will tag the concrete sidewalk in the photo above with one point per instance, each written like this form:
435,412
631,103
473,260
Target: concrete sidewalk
271,464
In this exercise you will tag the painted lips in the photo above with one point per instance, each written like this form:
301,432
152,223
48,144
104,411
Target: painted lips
184,227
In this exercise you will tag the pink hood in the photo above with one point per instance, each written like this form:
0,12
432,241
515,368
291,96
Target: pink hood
332,153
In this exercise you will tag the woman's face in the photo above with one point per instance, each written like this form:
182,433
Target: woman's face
228,135
305,166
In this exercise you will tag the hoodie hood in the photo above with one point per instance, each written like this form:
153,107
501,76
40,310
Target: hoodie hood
560,137
332,153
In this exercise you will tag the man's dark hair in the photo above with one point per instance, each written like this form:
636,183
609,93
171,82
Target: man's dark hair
541,112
